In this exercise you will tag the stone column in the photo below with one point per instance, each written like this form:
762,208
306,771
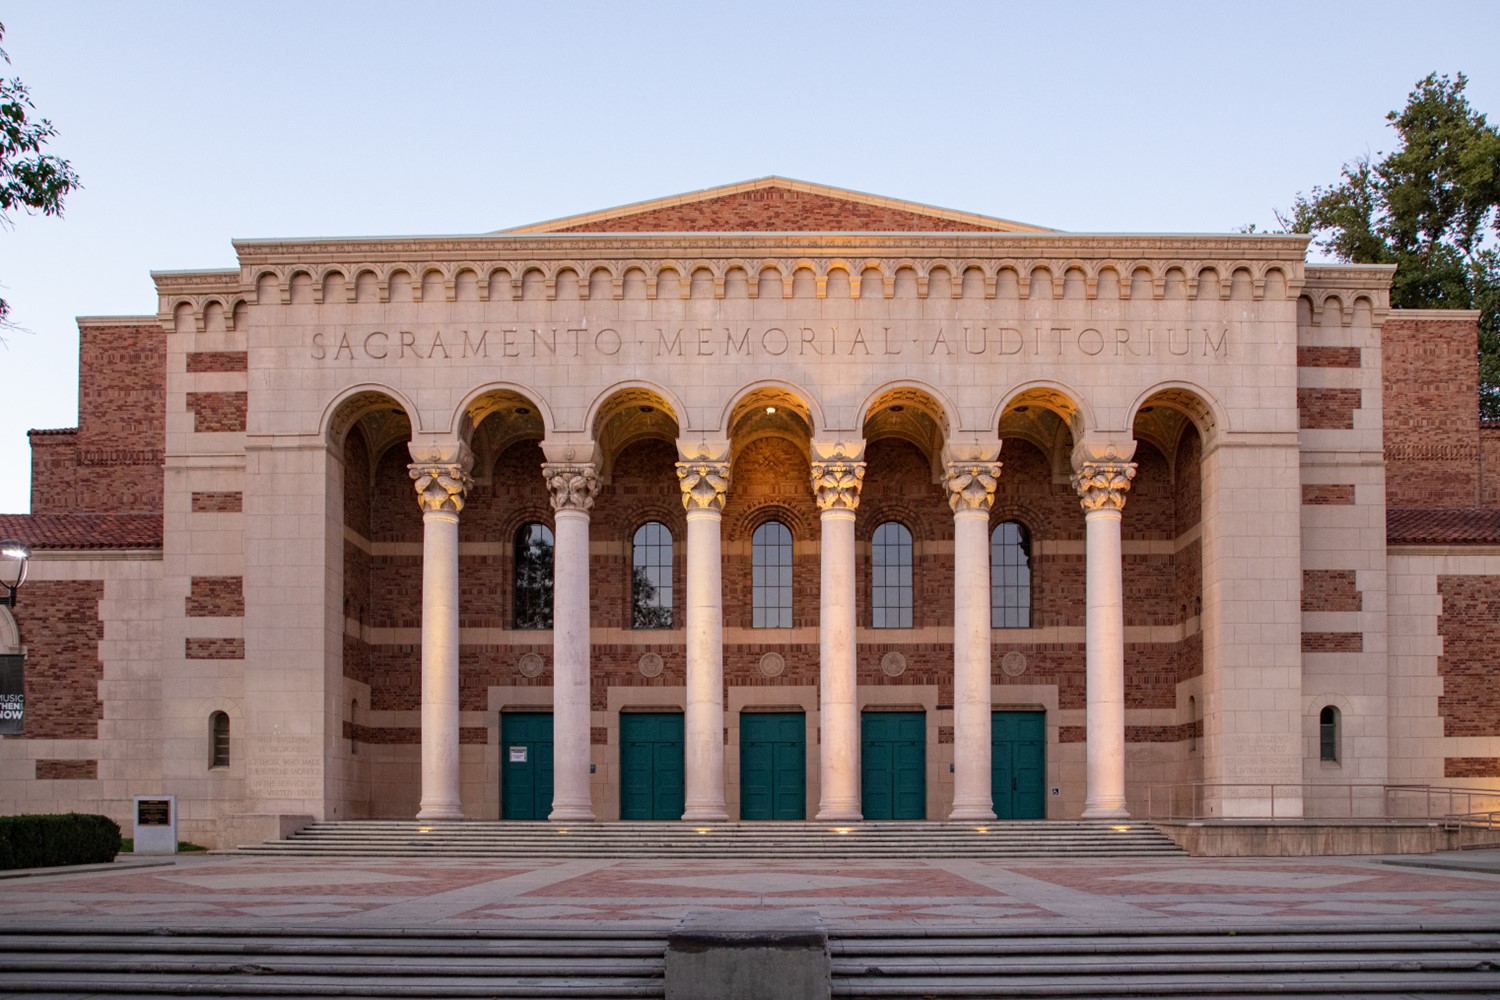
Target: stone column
573,486
441,476
1102,483
704,479
837,473
971,494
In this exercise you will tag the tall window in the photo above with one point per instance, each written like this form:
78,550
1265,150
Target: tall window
651,577
771,576
1010,576
218,740
890,576
1328,734
533,577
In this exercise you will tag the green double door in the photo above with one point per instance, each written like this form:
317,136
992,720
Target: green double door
526,765
893,765
773,765
1018,761
651,778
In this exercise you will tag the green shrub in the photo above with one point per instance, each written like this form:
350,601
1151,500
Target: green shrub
49,841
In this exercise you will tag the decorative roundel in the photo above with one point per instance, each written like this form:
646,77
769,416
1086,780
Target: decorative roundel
650,664
530,665
771,665
893,664
1013,664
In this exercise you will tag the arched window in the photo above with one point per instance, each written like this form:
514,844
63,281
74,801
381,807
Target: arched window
771,576
651,577
1328,734
1192,723
1010,576
890,576
218,740
533,577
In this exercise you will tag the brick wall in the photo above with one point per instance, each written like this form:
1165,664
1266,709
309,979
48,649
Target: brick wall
1327,409
1431,412
54,471
214,649
1470,628
60,628
216,597
218,503
218,411
1471,767
218,361
1328,494
1330,590
773,210
67,770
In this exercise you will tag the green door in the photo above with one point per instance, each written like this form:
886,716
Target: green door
893,765
773,765
1018,755
651,783
525,765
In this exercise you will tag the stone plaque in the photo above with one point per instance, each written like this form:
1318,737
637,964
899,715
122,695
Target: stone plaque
1013,664
530,665
285,767
893,664
155,825
650,665
771,665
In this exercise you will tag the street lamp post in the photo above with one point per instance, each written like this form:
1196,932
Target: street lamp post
13,558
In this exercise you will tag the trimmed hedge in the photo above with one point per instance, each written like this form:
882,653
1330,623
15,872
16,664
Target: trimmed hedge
49,841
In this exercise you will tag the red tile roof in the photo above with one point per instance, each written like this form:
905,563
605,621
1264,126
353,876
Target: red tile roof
83,531
1442,526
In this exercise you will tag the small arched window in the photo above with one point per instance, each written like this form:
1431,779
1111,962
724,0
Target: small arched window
1328,735
771,576
532,603
651,577
1010,576
1192,724
890,576
218,740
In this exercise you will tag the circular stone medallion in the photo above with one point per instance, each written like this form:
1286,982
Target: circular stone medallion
1013,664
771,665
650,665
893,664
530,665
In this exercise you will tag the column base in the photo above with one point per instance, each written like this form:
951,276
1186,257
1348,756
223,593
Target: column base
571,814
839,815
440,812
981,812
1105,812
705,814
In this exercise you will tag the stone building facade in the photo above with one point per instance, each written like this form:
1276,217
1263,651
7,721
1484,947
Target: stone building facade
767,501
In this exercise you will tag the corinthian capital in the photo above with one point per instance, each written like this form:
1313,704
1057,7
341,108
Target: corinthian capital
705,484
440,485
573,485
836,482
971,485
1103,485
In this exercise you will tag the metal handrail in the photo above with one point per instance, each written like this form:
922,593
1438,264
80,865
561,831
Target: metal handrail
1374,801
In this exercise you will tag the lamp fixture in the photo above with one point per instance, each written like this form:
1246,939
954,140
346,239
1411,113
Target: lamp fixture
13,558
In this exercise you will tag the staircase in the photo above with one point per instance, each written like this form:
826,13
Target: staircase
722,841
1406,962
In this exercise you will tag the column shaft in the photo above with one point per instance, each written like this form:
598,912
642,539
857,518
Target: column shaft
440,796
571,798
838,708
704,725
972,799
1105,659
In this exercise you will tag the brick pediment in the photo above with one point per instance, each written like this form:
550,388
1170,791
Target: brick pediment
776,204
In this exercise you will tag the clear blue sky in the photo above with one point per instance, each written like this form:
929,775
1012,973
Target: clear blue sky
196,123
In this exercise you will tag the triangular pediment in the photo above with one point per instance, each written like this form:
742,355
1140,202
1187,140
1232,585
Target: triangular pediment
776,205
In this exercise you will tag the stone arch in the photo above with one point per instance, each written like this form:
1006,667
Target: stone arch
10,633
1157,415
184,318
300,287
367,285
628,412
268,288
910,411
1063,401
334,285
787,397
355,403
1276,283
743,525
498,414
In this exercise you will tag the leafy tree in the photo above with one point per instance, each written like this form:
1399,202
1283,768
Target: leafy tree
30,180
1429,208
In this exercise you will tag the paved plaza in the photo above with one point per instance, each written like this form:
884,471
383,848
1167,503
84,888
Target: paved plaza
249,893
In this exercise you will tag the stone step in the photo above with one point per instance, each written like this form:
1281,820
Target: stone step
1408,962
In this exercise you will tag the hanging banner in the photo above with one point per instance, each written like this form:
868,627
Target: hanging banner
12,694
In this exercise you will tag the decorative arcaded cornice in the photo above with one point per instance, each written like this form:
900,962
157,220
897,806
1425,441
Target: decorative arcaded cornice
1103,485
971,485
705,484
572,485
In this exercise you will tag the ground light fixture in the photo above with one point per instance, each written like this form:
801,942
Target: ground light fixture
14,556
